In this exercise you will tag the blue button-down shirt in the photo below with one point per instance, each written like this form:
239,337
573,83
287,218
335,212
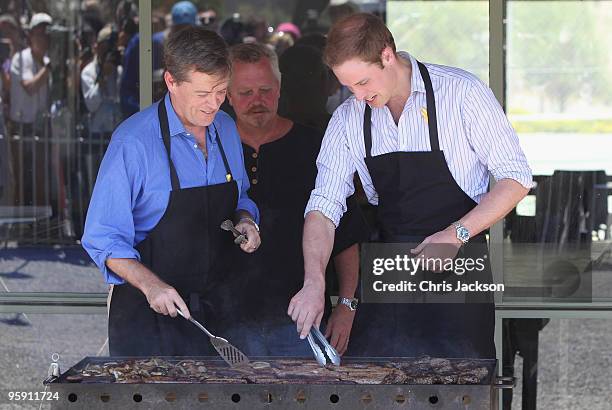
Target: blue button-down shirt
133,185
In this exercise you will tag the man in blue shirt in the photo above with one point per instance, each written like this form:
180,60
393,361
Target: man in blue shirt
171,175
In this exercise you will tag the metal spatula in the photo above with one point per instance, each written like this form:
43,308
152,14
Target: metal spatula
229,353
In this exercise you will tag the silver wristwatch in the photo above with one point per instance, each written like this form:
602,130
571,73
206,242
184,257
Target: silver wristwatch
463,234
251,221
350,303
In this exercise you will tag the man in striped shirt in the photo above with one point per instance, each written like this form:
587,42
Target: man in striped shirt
423,139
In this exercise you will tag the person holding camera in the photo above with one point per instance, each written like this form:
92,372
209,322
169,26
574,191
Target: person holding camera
9,40
30,78
30,69
100,84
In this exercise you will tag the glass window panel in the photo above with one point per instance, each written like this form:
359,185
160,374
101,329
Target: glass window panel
59,116
61,96
558,99
60,93
454,33
558,83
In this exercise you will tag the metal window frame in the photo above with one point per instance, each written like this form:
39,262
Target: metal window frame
497,83
145,53
53,302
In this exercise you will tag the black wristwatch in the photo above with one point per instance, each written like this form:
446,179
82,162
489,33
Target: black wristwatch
350,303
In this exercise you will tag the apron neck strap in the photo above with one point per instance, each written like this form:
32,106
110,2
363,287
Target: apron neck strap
431,116
432,121
228,171
367,130
165,130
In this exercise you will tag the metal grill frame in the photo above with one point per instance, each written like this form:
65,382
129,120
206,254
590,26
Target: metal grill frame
164,395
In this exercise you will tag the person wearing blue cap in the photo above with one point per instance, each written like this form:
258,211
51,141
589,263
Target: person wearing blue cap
183,13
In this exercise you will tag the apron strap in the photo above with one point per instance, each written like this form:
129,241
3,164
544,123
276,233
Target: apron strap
165,130
367,130
432,121
228,171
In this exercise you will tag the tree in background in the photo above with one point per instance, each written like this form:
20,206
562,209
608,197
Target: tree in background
560,49
448,33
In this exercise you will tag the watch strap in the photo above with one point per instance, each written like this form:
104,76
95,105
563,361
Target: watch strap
348,302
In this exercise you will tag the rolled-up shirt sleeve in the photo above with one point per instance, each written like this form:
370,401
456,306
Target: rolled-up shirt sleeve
335,167
109,227
492,137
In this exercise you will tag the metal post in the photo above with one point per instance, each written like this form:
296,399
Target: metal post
145,54
497,84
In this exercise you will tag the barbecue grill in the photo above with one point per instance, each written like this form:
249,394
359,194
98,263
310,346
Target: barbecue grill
278,383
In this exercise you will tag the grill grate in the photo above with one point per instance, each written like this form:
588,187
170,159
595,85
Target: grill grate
278,383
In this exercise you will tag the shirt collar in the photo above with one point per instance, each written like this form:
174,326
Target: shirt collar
416,80
176,126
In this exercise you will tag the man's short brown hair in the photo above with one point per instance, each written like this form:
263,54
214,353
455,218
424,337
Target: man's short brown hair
195,48
361,35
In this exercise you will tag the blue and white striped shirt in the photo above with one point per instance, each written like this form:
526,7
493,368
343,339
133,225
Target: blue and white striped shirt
474,134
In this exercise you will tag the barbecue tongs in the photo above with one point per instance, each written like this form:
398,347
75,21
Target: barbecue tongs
239,237
332,354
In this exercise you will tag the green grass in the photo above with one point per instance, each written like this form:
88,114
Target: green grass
569,126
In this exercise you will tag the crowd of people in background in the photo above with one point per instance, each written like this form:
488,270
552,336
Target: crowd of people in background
61,83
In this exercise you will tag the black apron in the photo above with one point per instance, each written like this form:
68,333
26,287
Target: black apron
187,250
274,273
267,279
264,282
417,197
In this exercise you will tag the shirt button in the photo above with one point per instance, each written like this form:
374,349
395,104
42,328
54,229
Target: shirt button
254,181
254,155
254,169
195,146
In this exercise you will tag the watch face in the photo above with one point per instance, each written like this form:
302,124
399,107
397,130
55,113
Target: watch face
353,304
463,234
